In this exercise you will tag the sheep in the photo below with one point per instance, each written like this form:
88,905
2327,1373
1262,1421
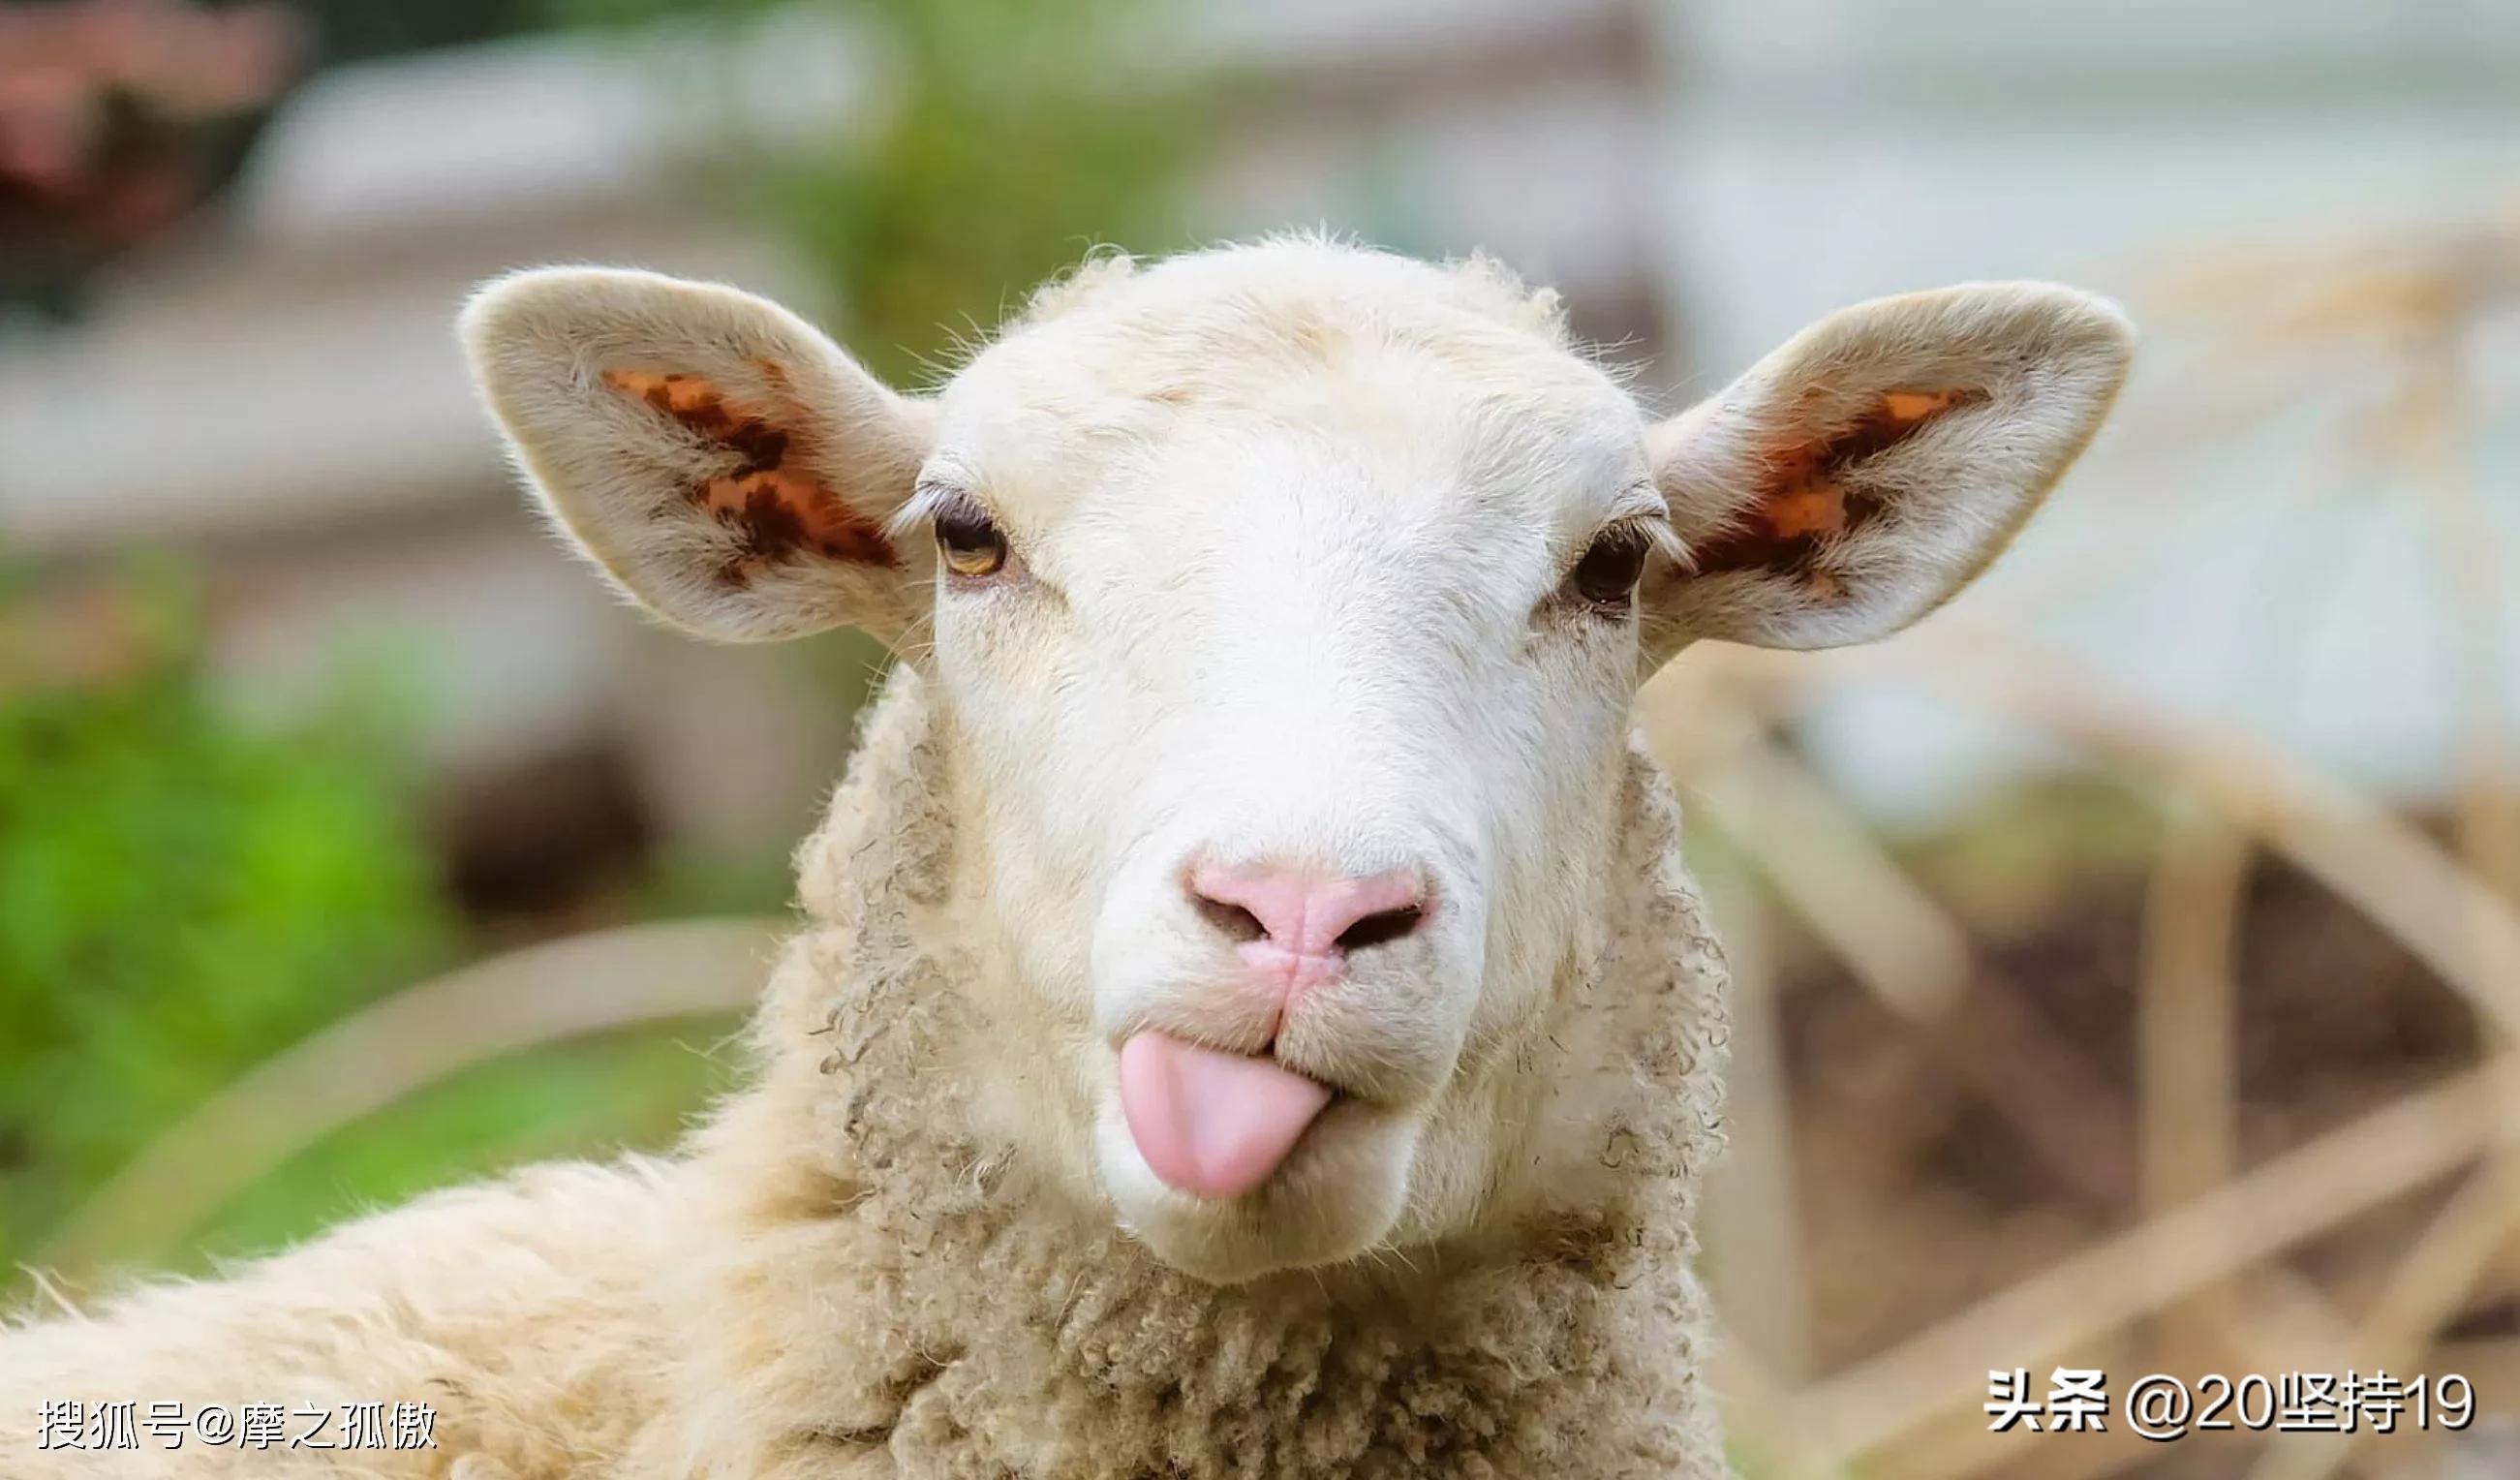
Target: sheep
1249,1015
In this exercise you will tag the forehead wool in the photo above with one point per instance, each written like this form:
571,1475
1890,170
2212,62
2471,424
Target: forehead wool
1456,374
1206,325
1297,267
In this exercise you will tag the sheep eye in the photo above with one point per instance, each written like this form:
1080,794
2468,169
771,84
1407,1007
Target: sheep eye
1606,575
969,542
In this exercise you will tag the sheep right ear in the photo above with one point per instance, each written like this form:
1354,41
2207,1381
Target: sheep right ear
722,460
1856,478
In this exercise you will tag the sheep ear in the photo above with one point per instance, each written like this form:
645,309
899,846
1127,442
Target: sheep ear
722,460
1855,479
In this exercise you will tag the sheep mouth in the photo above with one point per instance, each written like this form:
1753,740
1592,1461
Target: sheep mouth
1211,1123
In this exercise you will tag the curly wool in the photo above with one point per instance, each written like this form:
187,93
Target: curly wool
839,1276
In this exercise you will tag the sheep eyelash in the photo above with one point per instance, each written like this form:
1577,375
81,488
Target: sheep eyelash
1651,529
933,496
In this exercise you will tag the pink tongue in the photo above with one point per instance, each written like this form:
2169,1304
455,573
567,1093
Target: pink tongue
1209,1122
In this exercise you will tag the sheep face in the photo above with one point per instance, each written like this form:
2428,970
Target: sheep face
1283,608
1291,658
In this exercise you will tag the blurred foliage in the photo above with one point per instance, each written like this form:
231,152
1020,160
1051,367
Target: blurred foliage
354,30
180,893
184,894
635,1088
1011,138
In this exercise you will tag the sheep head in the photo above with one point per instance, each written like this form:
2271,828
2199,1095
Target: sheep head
1283,606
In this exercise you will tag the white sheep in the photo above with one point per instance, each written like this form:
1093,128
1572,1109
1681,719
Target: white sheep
1251,1016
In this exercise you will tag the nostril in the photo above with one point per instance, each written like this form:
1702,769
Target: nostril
1306,912
1381,927
1238,924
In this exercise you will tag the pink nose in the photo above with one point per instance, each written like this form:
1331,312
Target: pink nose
1308,914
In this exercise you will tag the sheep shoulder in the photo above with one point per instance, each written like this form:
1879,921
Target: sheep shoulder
522,1312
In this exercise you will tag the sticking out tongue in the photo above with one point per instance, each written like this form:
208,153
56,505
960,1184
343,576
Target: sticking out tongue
1212,1124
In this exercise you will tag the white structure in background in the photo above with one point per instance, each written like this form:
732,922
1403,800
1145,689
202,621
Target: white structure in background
283,395
1825,151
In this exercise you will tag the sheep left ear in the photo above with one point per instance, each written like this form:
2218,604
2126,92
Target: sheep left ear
1855,479
727,465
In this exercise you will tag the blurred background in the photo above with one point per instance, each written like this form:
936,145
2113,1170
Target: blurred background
2128,963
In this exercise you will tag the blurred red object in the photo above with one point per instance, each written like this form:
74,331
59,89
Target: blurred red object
113,113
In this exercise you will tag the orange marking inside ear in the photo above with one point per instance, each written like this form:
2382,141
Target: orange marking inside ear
1820,509
1803,505
1917,405
777,509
